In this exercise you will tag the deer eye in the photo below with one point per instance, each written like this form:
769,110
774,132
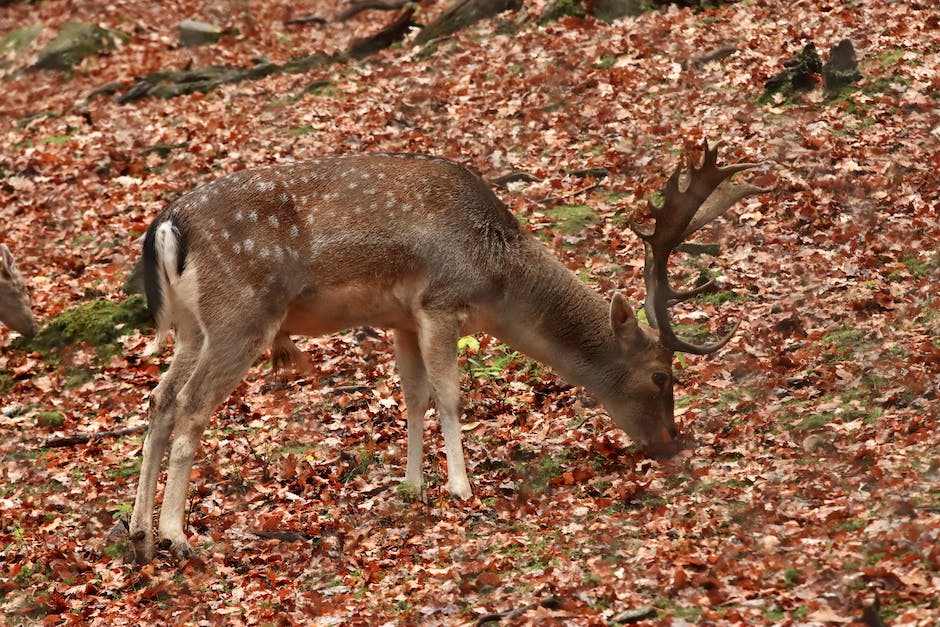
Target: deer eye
660,379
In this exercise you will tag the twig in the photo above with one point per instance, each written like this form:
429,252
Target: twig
82,438
551,199
286,536
717,55
516,175
552,603
305,19
598,173
343,389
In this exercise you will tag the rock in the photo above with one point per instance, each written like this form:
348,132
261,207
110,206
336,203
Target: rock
196,33
841,69
14,42
610,10
76,41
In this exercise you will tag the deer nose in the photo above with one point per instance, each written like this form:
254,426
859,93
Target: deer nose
665,446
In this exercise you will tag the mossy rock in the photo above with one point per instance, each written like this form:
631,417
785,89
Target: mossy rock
16,41
801,74
76,41
561,8
99,323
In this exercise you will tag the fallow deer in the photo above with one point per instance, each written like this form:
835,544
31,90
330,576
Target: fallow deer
15,304
413,243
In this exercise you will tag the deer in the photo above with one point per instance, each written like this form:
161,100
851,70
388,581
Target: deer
15,304
414,243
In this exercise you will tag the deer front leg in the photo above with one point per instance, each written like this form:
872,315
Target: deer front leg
414,386
437,336
141,526
222,363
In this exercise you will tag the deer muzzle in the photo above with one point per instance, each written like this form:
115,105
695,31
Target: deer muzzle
667,445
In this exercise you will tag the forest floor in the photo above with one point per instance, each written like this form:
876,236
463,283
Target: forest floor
810,491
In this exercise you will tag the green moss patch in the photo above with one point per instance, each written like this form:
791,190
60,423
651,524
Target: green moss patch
572,219
100,323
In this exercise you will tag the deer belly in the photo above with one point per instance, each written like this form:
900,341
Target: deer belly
333,308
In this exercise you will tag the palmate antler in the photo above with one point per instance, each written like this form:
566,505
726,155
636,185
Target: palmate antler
706,195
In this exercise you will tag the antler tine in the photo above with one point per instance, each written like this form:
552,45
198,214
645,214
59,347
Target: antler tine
707,195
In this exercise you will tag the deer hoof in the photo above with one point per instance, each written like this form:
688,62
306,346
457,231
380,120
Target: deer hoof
411,491
461,491
142,548
179,547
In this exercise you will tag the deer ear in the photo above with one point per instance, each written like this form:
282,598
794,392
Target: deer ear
623,321
7,264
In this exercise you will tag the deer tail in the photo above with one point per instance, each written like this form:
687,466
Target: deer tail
164,258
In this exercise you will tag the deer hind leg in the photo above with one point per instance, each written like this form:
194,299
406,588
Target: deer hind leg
225,357
438,333
417,392
162,419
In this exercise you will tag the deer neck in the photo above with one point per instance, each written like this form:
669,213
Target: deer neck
548,314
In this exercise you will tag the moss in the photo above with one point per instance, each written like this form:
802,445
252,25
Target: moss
572,219
606,61
99,323
562,8
890,57
51,419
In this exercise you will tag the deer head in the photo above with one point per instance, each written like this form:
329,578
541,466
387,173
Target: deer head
692,197
14,298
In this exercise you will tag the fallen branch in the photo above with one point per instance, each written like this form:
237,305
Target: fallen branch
395,31
83,438
358,6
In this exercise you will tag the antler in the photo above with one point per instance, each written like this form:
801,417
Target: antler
706,195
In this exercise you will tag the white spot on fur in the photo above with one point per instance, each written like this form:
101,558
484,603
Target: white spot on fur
226,234
237,247
253,216
265,253
273,221
265,186
294,231
249,245
239,216
284,197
